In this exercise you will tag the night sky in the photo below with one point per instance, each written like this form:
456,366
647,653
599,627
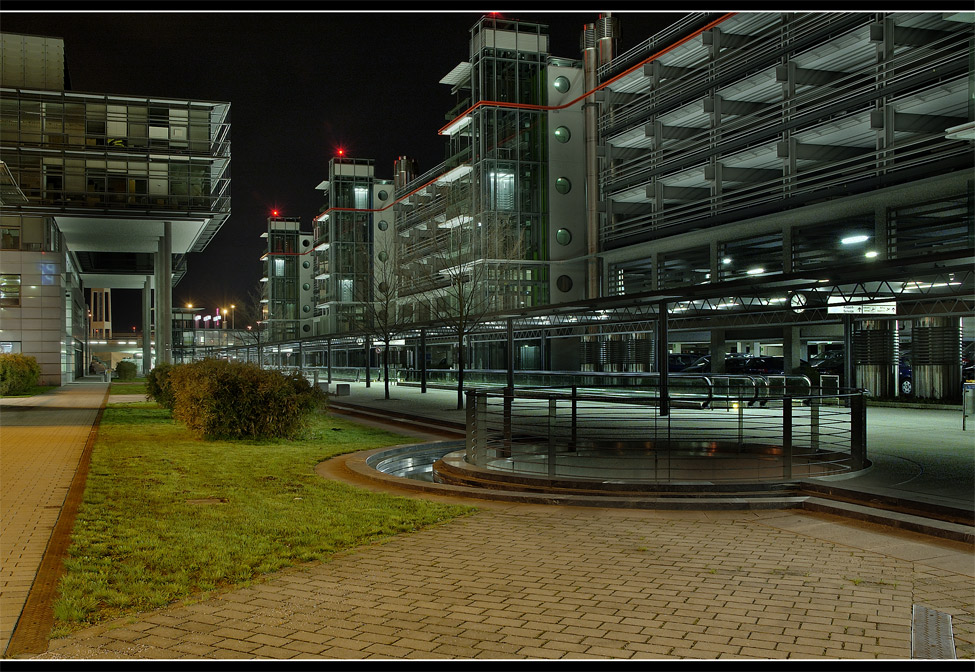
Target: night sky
301,85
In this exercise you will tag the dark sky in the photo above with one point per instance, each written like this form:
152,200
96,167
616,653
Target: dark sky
301,85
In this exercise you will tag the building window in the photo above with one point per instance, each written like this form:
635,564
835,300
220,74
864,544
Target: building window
563,185
564,283
382,256
563,236
9,290
11,237
383,195
562,134
561,84
306,264
383,225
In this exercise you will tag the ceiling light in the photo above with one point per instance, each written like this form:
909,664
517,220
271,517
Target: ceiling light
853,240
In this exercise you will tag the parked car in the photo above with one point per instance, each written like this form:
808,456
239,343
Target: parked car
831,363
678,361
735,364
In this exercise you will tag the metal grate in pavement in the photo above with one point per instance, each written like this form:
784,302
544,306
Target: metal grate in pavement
931,634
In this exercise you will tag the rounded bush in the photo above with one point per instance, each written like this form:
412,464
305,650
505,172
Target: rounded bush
126,370
18,373
157,386
221,399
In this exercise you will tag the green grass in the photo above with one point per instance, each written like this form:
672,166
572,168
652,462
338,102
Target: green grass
137,386
138,543
35,390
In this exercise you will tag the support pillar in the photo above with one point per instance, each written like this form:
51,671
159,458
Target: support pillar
147,325
663,357
423,361
719,349
791,349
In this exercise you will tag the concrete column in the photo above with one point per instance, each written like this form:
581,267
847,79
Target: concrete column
718,350
147,325
791,349
164,322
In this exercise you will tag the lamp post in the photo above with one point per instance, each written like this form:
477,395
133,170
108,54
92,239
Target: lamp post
233,313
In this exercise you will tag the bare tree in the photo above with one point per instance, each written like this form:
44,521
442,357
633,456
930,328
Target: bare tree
473,272
379,300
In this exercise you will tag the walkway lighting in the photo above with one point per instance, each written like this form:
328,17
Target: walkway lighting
853,240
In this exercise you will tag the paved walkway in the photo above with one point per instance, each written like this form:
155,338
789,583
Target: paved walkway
530,581
41,442
525,581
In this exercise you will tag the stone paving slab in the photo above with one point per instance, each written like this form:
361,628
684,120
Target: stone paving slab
537,582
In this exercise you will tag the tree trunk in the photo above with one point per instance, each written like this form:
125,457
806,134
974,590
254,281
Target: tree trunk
460,372
386,366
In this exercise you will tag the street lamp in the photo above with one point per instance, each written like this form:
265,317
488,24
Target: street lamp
233,312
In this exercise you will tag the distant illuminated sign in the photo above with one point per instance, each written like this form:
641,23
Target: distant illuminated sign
838,304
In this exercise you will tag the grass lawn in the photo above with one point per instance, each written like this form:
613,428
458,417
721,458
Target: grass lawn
140,542
35,390
137,386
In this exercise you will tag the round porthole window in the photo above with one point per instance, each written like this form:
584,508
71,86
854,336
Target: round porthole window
563,185
306,264
564,283
305,242
382,225
306,286
561,84
562,134
563,237
305,309
306,328
382,256
383,195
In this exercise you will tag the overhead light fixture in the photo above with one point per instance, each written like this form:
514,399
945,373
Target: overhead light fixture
726,261
853,240
871,254
755,271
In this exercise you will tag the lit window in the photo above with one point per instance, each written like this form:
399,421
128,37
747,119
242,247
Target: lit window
562,134
563,185
9,290
561,84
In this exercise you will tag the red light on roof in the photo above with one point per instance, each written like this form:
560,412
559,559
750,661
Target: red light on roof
341,152
274,213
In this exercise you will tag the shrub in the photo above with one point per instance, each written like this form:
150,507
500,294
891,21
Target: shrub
18,373
157,386
221,399
126,370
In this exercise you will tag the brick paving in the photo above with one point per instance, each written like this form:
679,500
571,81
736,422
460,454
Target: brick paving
41,441
528,581
518,580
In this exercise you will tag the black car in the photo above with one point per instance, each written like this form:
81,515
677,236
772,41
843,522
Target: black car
831,363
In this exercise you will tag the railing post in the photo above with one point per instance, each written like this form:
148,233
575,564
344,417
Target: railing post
787,437
858,431
481,447
814,423
552,401
741,421
473,432
575,401
509,394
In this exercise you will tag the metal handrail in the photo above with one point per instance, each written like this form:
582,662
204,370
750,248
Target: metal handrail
625,435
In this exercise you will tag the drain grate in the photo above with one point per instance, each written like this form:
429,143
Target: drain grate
931,634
